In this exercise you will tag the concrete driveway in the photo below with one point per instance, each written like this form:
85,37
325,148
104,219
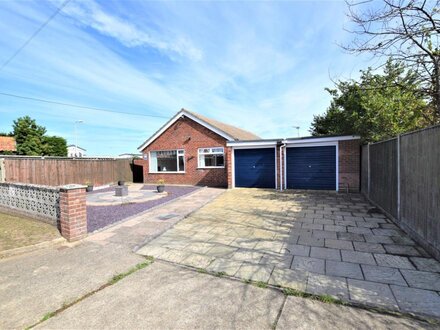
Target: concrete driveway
319,243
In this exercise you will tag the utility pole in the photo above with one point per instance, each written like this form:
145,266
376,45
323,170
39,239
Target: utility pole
75,135
297,129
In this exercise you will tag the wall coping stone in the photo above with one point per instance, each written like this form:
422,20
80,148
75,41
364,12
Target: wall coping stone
72,186
30,185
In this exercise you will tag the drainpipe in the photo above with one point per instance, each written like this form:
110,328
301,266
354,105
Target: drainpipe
281,166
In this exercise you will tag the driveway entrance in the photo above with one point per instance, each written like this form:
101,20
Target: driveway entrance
317,242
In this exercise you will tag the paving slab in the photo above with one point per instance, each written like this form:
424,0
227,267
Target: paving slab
426,264
291,278
227,266
417,300
388,260
327,285
258,273
358,257
339,244
422,280
297,250
311,314
313,265
325,253
368,247
404,250
371,293
343,269
167,297
383,275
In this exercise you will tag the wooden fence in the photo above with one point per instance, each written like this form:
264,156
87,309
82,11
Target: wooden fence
60,171
402,177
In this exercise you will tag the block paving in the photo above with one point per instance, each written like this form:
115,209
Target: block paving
317,242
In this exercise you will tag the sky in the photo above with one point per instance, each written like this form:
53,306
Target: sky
259,65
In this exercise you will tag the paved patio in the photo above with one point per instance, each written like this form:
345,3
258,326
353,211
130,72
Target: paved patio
320,243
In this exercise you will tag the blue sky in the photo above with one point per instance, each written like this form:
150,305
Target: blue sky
259,65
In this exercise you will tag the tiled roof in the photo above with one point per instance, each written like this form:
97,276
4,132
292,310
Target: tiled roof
7,143
235,132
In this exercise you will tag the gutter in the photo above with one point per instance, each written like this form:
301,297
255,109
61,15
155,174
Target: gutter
281,166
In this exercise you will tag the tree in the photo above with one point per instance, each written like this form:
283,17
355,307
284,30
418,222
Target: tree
407,31
55,146
376,107
29,136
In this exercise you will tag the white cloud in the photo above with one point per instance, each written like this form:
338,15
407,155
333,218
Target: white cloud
91,14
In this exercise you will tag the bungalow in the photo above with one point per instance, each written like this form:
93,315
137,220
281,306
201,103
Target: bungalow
8,144
195,150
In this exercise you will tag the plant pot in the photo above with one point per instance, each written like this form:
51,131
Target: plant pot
160,188
89,188
121,183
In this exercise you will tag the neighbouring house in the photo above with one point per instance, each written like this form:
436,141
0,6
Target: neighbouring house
7,143
194,150
75,151
128,155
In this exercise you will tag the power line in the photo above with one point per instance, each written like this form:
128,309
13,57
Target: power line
78,106
42,26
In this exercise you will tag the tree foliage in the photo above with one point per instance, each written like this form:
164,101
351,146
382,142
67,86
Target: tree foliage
29,136
407,31
378,106
55,146
32,141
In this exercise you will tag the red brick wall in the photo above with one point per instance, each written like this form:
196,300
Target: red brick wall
73,213
349,165
190,136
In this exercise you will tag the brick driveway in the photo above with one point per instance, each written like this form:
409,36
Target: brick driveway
320,243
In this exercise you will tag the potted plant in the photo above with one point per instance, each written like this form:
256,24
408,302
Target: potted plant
160,185
121,183
89,186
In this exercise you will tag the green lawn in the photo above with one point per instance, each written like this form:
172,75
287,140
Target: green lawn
17,231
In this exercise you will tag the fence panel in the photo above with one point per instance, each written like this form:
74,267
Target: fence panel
420,184
383,175
364,169
61,171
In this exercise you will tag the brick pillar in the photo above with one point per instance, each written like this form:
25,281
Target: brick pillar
73,214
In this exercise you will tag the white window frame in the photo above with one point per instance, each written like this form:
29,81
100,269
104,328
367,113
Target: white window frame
155,171
199,153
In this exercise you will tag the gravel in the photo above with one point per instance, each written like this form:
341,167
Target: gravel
102,216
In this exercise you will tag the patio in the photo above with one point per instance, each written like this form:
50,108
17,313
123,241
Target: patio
315,242
104,209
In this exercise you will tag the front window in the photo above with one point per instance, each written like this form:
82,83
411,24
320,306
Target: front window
167,161
211,157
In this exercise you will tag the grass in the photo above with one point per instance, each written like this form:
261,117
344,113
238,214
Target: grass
322,298
18,231
115,279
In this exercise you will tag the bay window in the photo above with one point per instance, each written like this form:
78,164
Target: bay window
167,161
211,157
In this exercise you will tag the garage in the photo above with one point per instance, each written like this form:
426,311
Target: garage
311,167
255,168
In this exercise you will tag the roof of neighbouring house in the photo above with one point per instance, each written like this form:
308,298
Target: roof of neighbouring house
7,143
77,147
229,132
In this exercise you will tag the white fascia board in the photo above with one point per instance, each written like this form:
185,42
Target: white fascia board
251,144
321,139
179,115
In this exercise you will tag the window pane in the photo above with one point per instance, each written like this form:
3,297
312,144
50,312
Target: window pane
220,160
181,163
166,161
217,150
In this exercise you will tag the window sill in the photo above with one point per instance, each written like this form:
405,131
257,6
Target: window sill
165,172
210,168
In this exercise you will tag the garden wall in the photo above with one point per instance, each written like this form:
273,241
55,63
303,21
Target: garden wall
40,202
402,176
57,171
63,207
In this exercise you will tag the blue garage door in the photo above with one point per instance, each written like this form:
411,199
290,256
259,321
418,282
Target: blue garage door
255,168
311,168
